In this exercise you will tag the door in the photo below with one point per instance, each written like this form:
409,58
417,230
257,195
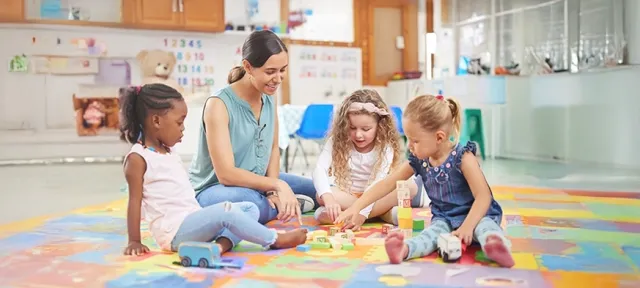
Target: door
12,10
203,15
158,13
380,26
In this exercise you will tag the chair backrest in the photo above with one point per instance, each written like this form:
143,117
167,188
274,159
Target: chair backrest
316,121
397,113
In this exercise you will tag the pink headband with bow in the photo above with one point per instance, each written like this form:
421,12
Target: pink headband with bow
369,107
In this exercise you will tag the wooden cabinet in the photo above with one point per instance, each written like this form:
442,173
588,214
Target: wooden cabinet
187,15
158,13
204,14
12,10
194,15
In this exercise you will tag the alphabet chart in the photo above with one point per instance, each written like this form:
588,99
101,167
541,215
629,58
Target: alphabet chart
323,74
193,67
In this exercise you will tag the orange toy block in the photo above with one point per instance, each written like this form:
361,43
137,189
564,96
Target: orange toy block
405,223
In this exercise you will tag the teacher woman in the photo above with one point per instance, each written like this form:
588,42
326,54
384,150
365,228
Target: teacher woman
238,158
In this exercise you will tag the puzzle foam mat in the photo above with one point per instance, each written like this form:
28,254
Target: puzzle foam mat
560,239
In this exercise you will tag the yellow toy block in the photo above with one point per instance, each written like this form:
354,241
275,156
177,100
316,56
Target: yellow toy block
404,213
320,233
333,231
405,223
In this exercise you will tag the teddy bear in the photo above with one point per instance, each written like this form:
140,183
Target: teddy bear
156,67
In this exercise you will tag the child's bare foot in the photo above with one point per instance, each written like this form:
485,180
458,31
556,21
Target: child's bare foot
498,252
224,244
396,249
290,239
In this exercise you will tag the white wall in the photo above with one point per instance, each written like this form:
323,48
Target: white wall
588,117
632,30
36,115
36,110
331,20
585,117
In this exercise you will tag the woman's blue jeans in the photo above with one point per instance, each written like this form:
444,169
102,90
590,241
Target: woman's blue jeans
220,193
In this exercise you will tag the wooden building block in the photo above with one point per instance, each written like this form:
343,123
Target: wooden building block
348,246
320,245
408,233
320,233
386,228
320,239
350,234
303,248
405,223
405,213
418,225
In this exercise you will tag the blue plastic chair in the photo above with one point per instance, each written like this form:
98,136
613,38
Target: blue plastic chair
315,124
397,113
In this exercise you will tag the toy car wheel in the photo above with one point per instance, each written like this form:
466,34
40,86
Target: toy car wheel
445,257
185,261
203,263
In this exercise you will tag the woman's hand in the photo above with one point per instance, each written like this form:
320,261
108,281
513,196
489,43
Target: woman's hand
289,206
136,248
332,206
347,217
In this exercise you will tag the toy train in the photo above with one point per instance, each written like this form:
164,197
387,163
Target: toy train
203,255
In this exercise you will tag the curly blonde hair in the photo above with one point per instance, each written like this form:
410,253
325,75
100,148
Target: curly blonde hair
435,113
386,136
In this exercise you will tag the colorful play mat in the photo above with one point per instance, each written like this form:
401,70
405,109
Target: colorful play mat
560,239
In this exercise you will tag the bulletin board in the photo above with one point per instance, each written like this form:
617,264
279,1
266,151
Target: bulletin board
45,66
322,74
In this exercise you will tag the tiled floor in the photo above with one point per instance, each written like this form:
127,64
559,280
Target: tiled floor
30,191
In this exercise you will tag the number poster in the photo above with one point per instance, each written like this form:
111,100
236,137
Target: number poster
193,67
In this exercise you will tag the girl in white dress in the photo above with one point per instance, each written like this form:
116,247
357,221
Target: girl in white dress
363,147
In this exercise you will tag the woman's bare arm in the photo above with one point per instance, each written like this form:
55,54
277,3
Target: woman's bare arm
216,120
273,170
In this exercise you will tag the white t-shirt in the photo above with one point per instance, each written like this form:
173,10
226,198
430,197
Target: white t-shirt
167,195
361,165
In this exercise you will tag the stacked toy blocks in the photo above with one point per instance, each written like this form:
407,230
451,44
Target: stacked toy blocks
335,239
405,216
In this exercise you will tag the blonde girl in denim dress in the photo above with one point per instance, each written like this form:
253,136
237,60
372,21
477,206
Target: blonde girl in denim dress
461,200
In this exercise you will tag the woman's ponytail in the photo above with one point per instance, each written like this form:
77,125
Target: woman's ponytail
236,74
